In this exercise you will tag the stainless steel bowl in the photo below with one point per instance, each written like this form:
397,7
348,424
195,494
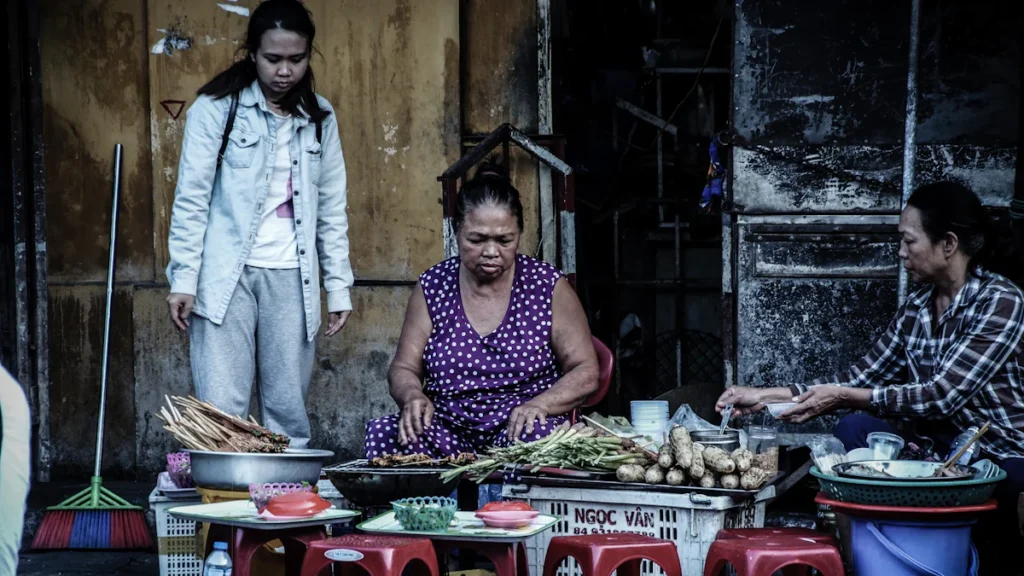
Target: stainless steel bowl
728,441
235,470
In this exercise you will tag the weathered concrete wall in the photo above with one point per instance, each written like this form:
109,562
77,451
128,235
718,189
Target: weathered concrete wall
819,97
124,71
499,84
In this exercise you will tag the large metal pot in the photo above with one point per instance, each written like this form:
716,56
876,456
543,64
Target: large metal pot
236,470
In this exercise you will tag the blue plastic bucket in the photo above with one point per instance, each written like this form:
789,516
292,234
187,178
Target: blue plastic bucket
896,548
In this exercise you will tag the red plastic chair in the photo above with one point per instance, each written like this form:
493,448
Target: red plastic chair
752,557
606,367
603,554
381,555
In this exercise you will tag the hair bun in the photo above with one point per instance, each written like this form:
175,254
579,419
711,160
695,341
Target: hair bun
491,170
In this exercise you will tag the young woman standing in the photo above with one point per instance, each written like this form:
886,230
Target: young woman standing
259,214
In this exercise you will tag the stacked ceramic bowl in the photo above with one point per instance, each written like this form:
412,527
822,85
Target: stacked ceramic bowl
649,417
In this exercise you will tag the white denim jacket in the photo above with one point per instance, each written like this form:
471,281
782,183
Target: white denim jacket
216,213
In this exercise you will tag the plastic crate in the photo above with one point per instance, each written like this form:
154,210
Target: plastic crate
691,520
176,539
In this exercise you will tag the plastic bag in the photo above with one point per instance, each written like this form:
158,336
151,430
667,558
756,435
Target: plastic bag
687,418
826,451
621,427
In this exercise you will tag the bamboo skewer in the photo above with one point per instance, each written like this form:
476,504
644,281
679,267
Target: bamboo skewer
960,452
202,426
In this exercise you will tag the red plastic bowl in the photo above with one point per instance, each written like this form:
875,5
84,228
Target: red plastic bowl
297,504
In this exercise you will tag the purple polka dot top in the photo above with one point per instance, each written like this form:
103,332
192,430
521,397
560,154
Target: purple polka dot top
479,380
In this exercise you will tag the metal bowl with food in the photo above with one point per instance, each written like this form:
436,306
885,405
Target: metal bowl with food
728,441
365,485
237,470
903,471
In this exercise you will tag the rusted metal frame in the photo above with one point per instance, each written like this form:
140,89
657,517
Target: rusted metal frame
653,120
21,368
549,213
910,129
690,71
728,318
39,297
562,187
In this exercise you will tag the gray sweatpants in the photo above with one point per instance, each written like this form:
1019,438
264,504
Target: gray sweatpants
264,329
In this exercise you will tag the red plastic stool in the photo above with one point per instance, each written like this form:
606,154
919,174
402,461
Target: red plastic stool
764,557
777,535
509,559
602,554
245,543
381,555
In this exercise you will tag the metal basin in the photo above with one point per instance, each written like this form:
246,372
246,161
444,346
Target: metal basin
900,471
728,441
365,487
235,471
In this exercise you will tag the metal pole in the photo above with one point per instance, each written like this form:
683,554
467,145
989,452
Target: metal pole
910,129
106,315
548,211
661,168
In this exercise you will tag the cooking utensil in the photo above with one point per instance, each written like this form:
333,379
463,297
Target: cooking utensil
365,486
726,414
955,457
900,471
237,470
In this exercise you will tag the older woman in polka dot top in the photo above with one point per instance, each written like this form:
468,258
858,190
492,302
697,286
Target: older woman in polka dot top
495,344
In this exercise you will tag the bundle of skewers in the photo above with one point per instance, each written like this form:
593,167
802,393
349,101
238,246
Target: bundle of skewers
202,426
574,448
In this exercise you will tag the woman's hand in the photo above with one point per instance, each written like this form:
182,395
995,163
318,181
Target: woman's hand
815,402
417,415
524,417
336,321
744,400
180,306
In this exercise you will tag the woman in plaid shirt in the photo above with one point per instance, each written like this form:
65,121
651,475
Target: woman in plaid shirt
953,357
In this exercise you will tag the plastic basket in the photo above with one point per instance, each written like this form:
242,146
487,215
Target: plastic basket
430,514
912,494
176,539
690,520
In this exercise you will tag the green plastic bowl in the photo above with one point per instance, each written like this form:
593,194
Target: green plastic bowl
427,514
909,494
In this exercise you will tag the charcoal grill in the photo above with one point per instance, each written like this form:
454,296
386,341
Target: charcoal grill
364,485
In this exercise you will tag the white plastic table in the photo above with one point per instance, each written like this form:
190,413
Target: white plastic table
505,547
243,514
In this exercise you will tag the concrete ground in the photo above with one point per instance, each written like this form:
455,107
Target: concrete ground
82,563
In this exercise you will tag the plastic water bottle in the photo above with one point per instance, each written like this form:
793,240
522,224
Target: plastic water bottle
968,455
218,563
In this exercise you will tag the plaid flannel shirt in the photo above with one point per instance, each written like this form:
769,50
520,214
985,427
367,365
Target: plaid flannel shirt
968,369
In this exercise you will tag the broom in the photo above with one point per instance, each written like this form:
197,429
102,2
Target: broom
96,517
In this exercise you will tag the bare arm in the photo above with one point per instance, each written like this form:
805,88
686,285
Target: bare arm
405,377
574,350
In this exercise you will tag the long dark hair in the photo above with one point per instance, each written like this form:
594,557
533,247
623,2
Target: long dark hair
489,185
290,15
949,207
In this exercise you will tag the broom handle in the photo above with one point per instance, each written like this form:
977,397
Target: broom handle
106,314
